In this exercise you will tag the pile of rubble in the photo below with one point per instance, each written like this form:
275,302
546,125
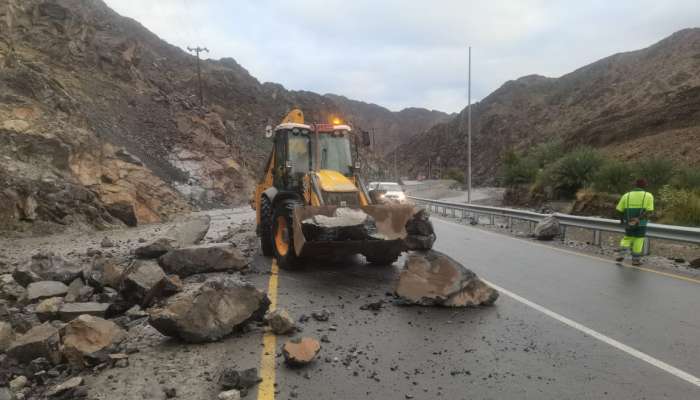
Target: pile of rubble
60,319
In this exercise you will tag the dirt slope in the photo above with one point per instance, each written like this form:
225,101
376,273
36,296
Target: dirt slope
629,104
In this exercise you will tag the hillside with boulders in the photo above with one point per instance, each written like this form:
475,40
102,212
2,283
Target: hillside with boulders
643,103
102,124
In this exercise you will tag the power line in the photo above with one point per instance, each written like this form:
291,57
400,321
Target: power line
198,50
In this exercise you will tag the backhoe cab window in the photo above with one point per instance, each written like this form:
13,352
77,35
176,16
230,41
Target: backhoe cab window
299,154
335,153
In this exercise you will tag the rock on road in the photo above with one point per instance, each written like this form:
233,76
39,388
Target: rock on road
510,350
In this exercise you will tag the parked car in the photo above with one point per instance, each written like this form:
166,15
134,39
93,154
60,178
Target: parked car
386,192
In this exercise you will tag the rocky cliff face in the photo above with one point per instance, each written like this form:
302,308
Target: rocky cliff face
635,104
100,123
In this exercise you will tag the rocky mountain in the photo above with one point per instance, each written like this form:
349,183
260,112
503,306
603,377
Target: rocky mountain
100,122
631,105
390,128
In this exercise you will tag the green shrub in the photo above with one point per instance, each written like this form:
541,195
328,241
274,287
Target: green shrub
614,177
679,206
455,174
687,178
517,169
547,153
573,171
657,171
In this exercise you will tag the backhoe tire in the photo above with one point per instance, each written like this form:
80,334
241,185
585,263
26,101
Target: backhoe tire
382,259
266,211
283,235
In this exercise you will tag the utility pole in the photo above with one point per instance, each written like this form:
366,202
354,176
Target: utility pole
198,50
469,130
396,171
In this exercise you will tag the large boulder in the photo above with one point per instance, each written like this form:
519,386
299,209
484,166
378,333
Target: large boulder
144,282
40,341
45,289
433,278
208,311
189,232
193,260
548,228
46,266
87,338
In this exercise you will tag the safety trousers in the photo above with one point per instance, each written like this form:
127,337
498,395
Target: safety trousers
634,243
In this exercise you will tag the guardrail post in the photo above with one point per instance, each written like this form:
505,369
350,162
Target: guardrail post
510,223
563,233
492,220
453,213
597,238
647,246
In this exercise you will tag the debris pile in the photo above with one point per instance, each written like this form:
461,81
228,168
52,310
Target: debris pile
61,318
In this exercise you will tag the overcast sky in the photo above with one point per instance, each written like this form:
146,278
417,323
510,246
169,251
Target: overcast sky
410,53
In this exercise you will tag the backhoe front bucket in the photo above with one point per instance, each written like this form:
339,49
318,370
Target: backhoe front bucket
390,220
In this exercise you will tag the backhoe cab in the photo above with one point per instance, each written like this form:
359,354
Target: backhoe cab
311,201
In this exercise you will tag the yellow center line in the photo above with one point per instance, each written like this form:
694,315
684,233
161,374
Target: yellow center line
266,389
552,247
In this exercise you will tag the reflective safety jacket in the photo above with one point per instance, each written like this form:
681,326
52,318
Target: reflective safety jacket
635,207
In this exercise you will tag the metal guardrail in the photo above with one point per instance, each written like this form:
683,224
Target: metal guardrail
597,225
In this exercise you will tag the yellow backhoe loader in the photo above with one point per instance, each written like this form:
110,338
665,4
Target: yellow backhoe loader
311,201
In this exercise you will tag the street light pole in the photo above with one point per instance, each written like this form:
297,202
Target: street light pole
469,130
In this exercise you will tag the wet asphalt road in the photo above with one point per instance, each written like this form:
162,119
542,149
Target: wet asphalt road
507,351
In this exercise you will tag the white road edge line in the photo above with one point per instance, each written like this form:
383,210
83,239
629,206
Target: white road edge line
605,339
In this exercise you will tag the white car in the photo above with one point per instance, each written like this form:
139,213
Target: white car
387,192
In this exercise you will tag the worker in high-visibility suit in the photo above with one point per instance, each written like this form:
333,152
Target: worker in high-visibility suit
635,207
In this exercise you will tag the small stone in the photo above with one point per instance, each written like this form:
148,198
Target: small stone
106,243
156,249
280,322
232,394
240,380
45,289
47,309
298,352
321,315
86,336
6,394
18,383
170,393
695,263
7,335
10,289
70,384
68,311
